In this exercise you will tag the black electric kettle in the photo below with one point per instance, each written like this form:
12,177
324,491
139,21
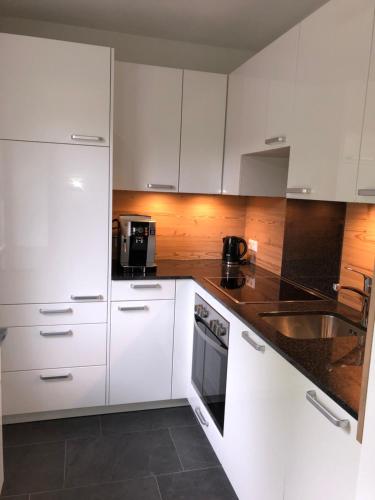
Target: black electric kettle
232,253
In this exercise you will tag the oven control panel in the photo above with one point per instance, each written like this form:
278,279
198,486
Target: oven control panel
216,323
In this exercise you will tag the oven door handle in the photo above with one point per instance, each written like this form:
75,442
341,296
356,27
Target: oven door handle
210,342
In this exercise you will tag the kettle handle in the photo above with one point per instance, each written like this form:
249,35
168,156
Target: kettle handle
245,247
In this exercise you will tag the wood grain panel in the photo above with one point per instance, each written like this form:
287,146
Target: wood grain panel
358,248
265,221
188,226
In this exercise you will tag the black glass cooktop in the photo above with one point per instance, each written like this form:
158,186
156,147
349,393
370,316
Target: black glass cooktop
246,289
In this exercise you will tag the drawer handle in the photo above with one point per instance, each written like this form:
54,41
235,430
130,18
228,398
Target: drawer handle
67,333
366,192
200,416
86,297
300,190
161,186
46,378
144,287
276,140
133,308
91,138
67,310
249,340
312,398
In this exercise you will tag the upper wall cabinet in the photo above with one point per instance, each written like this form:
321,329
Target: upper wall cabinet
147,122
260,103
332,72
54,91
202,132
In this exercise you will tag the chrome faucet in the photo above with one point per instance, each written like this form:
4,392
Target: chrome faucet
365,293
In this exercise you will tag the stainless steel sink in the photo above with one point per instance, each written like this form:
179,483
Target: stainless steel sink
311,326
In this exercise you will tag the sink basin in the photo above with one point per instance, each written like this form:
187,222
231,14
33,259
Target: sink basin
311,326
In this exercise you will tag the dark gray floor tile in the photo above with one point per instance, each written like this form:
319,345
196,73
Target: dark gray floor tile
117,423
35,467
210,484
119,457
193,447
50,430
134,489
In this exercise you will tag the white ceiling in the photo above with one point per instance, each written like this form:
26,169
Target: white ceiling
243,24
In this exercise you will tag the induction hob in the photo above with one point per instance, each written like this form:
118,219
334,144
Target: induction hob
247,289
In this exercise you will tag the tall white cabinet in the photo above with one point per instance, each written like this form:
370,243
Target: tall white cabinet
55,161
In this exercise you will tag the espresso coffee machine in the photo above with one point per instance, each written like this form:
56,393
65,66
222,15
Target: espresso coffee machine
137,243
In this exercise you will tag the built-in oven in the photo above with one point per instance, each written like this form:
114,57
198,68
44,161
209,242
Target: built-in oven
210,359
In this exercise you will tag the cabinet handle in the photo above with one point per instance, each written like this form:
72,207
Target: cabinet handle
312,398
200,416
67,333
90,138
133,308
300,190
143,287
161,186
366,192
45,378
68,310
86,297
276,140
252,342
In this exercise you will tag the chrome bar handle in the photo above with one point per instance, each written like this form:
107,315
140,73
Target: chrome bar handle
338,422
276,140
255,345
161,186
87,297
366,192
90,138
200,416
56,311
67,333
143,287
299,190
367,279
133,308
45,378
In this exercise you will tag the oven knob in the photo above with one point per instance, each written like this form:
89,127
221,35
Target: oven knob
204,312
221,331
214,325
198,310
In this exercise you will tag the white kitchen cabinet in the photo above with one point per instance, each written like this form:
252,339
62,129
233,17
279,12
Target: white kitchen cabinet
54,222
322,458
332,72
257,415
147,123
2,334
52,90
202,132
141,348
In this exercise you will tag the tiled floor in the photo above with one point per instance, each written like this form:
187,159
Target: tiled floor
148,455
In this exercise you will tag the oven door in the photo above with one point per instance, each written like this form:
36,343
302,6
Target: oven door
209,370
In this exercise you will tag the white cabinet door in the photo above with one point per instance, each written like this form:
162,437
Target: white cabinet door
281,65
1,422
141,348
256,416
322,459
333,61
51,90
202,132
147,123
366,172
54,222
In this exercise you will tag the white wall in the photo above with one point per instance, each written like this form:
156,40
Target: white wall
135,48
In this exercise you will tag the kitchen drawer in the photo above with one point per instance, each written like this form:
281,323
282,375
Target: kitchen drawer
143,289
26,392
33,347
53,314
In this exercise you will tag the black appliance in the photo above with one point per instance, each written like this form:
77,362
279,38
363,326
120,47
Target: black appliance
210,359
232,251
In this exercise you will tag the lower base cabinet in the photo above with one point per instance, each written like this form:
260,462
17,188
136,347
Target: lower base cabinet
141,351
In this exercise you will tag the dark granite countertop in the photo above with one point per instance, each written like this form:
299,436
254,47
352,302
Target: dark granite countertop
312,357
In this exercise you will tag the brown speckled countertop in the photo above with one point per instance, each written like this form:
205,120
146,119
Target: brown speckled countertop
313,357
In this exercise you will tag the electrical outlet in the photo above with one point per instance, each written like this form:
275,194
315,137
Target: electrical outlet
253,245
